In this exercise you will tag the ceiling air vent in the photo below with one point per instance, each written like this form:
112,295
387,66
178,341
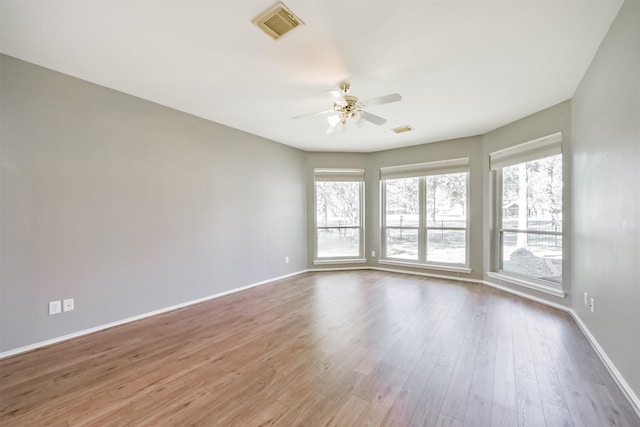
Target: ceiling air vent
277,21
403,129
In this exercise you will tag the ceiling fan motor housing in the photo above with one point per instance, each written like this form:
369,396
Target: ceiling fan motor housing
347,110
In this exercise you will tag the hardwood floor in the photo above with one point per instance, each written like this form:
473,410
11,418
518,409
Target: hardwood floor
359,348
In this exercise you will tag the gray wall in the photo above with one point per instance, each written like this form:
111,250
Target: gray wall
551,120
606,157
129,207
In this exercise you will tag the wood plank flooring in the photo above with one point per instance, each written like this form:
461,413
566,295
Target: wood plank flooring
361,348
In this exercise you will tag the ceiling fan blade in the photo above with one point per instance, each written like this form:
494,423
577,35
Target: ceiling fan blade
392,97
357,118
376,120
333,120
313,114
338,97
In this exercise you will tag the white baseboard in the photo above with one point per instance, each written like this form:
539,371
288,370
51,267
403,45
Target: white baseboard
426,274
56,340
320,270
528,296
611,367
392,270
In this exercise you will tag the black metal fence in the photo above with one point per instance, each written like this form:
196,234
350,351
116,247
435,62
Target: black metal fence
534,225
509,238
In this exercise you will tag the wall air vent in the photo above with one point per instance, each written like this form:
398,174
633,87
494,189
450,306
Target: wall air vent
402,129
277,21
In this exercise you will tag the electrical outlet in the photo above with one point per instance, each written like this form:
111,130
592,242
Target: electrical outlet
586,299
67,305
592,306
286,260
55,307
373,254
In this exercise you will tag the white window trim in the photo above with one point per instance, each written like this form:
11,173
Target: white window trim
339,175
538,148
531,150
423,170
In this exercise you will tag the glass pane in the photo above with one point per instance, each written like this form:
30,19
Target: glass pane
447,200
446,246
402,243
532,195
338,204
338,242
533,255
401,198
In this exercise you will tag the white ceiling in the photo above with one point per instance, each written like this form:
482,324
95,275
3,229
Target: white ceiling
462,67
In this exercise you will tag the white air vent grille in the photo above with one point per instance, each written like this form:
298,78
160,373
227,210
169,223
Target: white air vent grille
402,129
277,21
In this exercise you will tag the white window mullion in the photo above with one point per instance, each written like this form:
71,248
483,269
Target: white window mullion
498,221
422,226
362,245
467,229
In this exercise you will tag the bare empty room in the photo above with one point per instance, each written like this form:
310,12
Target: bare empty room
316,213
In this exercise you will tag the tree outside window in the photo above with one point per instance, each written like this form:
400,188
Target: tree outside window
531,226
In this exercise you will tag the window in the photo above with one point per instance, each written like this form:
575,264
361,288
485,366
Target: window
339,212
447,218
529,211
425,216
402,218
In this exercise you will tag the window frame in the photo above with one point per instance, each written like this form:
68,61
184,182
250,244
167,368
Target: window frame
422,171
465,229
536,149
339,175
384,227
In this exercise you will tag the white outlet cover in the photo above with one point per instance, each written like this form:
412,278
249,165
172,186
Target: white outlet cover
67,305
55,307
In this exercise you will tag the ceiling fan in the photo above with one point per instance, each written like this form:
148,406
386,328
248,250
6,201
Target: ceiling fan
348,107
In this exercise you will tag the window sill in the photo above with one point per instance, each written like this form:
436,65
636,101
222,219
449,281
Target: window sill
426,266
340,261
547,289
